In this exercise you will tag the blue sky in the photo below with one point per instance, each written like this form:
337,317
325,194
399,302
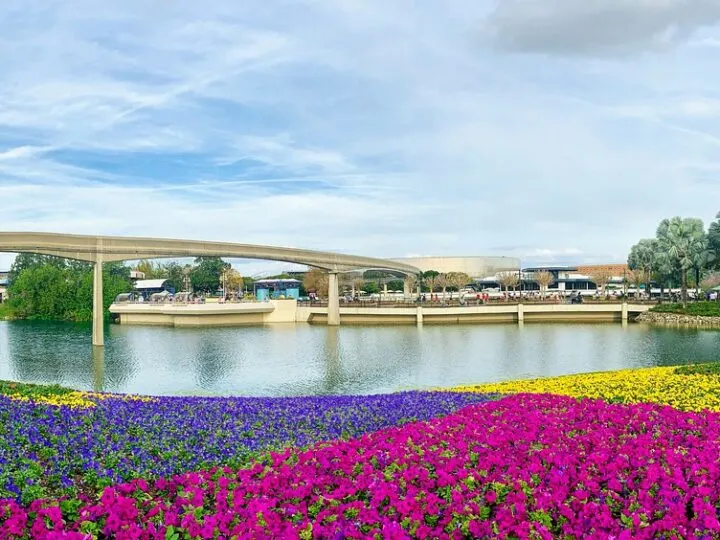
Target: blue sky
554,131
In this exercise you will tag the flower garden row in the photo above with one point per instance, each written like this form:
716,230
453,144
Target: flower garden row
410,465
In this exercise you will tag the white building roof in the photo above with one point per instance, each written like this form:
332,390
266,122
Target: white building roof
150,283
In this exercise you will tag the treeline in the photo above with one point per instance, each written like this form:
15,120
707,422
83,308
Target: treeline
52,288
681,254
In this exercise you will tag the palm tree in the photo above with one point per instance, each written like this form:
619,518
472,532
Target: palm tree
679,240
646,255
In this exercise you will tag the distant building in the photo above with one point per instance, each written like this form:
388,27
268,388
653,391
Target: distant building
474,266
136,274
4,279
147,287
565,278
277,288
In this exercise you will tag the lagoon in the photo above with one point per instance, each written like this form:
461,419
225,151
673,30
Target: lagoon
291,360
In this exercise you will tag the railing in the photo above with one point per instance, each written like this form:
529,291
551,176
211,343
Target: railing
400,303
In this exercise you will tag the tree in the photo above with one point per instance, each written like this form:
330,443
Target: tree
231,280
646,256
509,279
60,289
600,277
442,282
370,287
23,261
680,242
713,241
432,280
638,277
147,268
316,281
357,285
175,275
206,275
458,280
544,279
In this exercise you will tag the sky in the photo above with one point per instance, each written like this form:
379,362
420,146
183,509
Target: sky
555,131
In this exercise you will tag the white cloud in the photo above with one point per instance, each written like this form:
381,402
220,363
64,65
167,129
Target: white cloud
364,127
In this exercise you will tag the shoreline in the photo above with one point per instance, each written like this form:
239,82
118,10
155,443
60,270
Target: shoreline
678,319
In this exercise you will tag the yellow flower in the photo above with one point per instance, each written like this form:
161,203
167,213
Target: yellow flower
654,385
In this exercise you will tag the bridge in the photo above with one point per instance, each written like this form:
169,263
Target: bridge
100,249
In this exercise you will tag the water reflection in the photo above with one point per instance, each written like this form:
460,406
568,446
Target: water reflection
98,368
302,360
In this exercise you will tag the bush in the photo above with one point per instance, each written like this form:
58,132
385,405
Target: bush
703,309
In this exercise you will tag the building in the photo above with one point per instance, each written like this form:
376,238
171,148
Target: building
4,280
565,278
277,288
147,287
475,266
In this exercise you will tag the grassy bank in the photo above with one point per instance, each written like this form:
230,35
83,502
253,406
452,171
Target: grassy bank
702,309
6,312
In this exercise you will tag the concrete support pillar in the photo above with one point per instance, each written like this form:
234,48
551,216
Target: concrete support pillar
419,315
98,338
407,288
624,316
521,313
333,316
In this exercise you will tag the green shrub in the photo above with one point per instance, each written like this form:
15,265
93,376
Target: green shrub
31,390
703,309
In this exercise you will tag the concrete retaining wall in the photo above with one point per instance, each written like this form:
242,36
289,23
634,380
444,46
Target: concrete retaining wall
287,311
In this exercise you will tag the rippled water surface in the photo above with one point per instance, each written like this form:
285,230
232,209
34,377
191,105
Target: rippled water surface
301,360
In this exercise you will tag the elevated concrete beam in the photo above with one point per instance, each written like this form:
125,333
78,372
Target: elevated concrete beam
99,249
114,248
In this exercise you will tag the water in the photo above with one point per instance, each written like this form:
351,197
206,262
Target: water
302,360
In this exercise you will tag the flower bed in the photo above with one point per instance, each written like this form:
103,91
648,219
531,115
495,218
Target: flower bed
526,466
48,450
691,388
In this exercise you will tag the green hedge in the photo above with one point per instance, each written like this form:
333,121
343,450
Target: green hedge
704,309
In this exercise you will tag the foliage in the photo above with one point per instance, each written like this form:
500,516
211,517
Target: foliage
458,280
205,277
509,280
316,281
58,289
710,281
370,287
713,238
702,309
683,243
6,311
544,279
232,279
600,278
